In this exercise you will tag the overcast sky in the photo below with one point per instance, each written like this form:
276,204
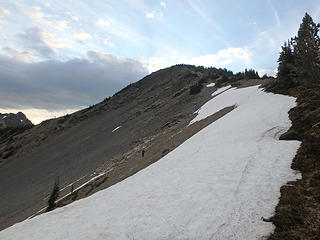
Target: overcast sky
60,56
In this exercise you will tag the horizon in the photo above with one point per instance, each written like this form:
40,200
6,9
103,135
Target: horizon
57,58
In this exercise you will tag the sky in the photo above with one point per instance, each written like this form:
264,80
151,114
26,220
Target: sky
57,57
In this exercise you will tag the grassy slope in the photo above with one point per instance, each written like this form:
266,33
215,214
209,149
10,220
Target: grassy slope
298,211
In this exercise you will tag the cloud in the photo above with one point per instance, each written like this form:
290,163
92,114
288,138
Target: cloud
104,22
38,16
61,25
222,57
73,17
18,54
149,15
268,72
163,4
4,13
155,63
56,85
107,42
82,35
39,40
46,4
43,42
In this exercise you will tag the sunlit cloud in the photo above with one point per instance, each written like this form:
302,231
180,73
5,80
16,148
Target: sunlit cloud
107,42
163,4
61,25
222,57
4,13
43,42
104,22
36,14
18,54
82,35
149,15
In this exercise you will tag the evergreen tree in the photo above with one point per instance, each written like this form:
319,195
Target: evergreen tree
306,52
286,70
53,196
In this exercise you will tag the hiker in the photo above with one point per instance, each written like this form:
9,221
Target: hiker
142,153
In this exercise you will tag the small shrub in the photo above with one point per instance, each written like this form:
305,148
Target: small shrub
53,196
195,89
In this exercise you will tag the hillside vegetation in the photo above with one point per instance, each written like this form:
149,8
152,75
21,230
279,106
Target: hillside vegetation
298,212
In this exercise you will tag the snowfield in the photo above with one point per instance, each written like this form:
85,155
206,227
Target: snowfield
216,185
220,90
210,85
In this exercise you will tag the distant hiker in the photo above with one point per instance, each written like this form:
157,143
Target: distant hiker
142,153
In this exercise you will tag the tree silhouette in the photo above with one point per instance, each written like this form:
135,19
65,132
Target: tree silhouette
53,196
306,48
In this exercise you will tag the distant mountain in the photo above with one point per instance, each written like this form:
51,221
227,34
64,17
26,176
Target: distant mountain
13,120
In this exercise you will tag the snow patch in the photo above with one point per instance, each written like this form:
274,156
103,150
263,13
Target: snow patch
231,97
216,185
211,85
220,90
116,128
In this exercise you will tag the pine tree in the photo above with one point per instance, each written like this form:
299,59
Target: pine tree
306,52
53,196
286,69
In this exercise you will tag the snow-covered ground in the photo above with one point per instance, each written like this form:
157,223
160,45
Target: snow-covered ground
216,185
116,128
211,85
220,90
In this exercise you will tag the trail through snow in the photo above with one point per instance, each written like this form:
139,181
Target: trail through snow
216,185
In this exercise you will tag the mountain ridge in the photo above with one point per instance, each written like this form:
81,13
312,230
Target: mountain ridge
74,145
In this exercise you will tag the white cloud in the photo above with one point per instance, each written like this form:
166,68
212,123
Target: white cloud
55,42
154,63
107,42
163,4
253,23
276,17
43,42
149,15
38,16
104,22
4,13
222,57
269,72
82,35
18,54
73,17
61,25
